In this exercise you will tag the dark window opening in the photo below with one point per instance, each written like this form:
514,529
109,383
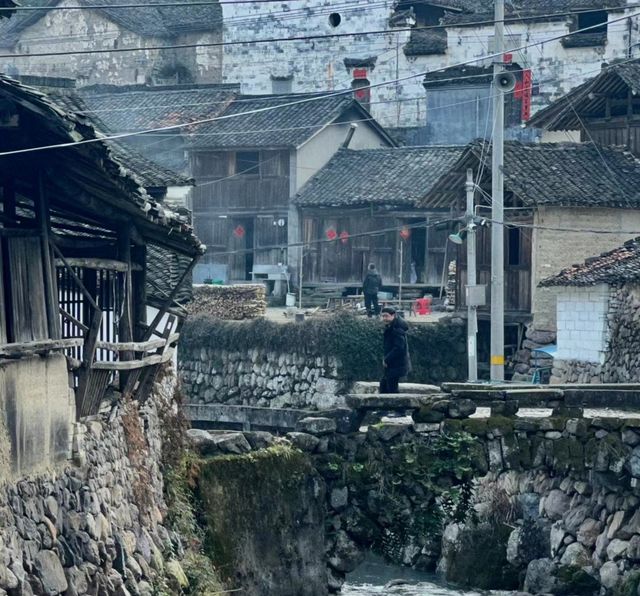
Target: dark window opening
595,23
362,91
514,246
591,19
424,13
248,163
335,19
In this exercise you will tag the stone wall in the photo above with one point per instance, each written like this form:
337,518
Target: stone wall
76,31
555,246
260,378
496,502
319,64
620,361
306,365
95,527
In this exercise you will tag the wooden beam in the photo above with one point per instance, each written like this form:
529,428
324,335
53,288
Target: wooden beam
43,217
167,303
32,347
94,263
71,318
9,198
78,281
135,364
139,289
139,346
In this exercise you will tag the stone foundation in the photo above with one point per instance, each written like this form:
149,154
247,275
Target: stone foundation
95,527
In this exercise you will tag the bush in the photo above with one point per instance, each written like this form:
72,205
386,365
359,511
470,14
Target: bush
437,351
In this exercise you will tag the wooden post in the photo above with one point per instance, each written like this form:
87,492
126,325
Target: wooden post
139,293
43,217
125,326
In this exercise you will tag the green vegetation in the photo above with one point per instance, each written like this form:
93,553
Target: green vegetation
407,492
437,351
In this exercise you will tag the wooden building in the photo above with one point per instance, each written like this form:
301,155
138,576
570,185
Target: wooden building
85,250
556,194
362,208
248,154
604,110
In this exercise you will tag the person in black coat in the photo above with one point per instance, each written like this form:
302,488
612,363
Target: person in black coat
396,360
370,287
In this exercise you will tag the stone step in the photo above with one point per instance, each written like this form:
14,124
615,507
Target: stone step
367,387
392,401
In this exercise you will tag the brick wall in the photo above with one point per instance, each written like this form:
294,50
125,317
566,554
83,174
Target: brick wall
582,323
556,247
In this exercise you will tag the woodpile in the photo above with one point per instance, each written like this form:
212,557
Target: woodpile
229,302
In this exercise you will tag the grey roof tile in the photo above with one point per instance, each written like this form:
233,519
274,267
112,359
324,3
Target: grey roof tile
394,176
557,174
281,121
616,267
150,173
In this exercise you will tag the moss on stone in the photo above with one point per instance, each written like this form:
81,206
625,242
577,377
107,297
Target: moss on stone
427,414
474,426
234,489
575,581
500,425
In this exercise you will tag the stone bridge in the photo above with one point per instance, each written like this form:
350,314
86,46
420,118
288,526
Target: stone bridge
514,487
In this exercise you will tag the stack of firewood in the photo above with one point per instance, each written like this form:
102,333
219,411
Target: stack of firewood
229,302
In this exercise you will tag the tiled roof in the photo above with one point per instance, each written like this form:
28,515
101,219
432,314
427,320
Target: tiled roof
64,126
298,118
148,21
150,173
426,42
613,81
615,267
394,176
483,10
558,174
139,107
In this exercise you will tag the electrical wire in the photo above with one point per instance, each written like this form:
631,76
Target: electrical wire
293,38
302,101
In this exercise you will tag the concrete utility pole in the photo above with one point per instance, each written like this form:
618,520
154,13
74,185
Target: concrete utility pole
472,319
497,210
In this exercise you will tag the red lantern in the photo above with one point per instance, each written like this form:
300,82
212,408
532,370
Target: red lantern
331,234
405,233
344,237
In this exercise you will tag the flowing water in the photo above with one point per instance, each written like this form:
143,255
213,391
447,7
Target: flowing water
376,577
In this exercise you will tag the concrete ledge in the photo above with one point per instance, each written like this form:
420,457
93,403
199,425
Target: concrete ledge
393,401
368,387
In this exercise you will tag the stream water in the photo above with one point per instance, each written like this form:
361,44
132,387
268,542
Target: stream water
376,577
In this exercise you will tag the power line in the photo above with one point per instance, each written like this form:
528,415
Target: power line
298,38
301,101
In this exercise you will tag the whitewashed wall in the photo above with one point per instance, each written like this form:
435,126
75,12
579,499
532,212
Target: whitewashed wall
582,323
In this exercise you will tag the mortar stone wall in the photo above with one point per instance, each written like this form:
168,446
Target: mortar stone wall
82,530
318,64
259,378
74,31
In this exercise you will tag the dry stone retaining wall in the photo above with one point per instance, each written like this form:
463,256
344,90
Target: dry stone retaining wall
260,378
91,528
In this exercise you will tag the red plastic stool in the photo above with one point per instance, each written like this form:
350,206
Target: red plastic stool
423,306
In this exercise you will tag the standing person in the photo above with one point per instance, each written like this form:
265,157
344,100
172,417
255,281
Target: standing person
370,287
396,361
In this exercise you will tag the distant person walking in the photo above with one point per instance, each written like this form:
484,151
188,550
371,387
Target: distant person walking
395,349
370,288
